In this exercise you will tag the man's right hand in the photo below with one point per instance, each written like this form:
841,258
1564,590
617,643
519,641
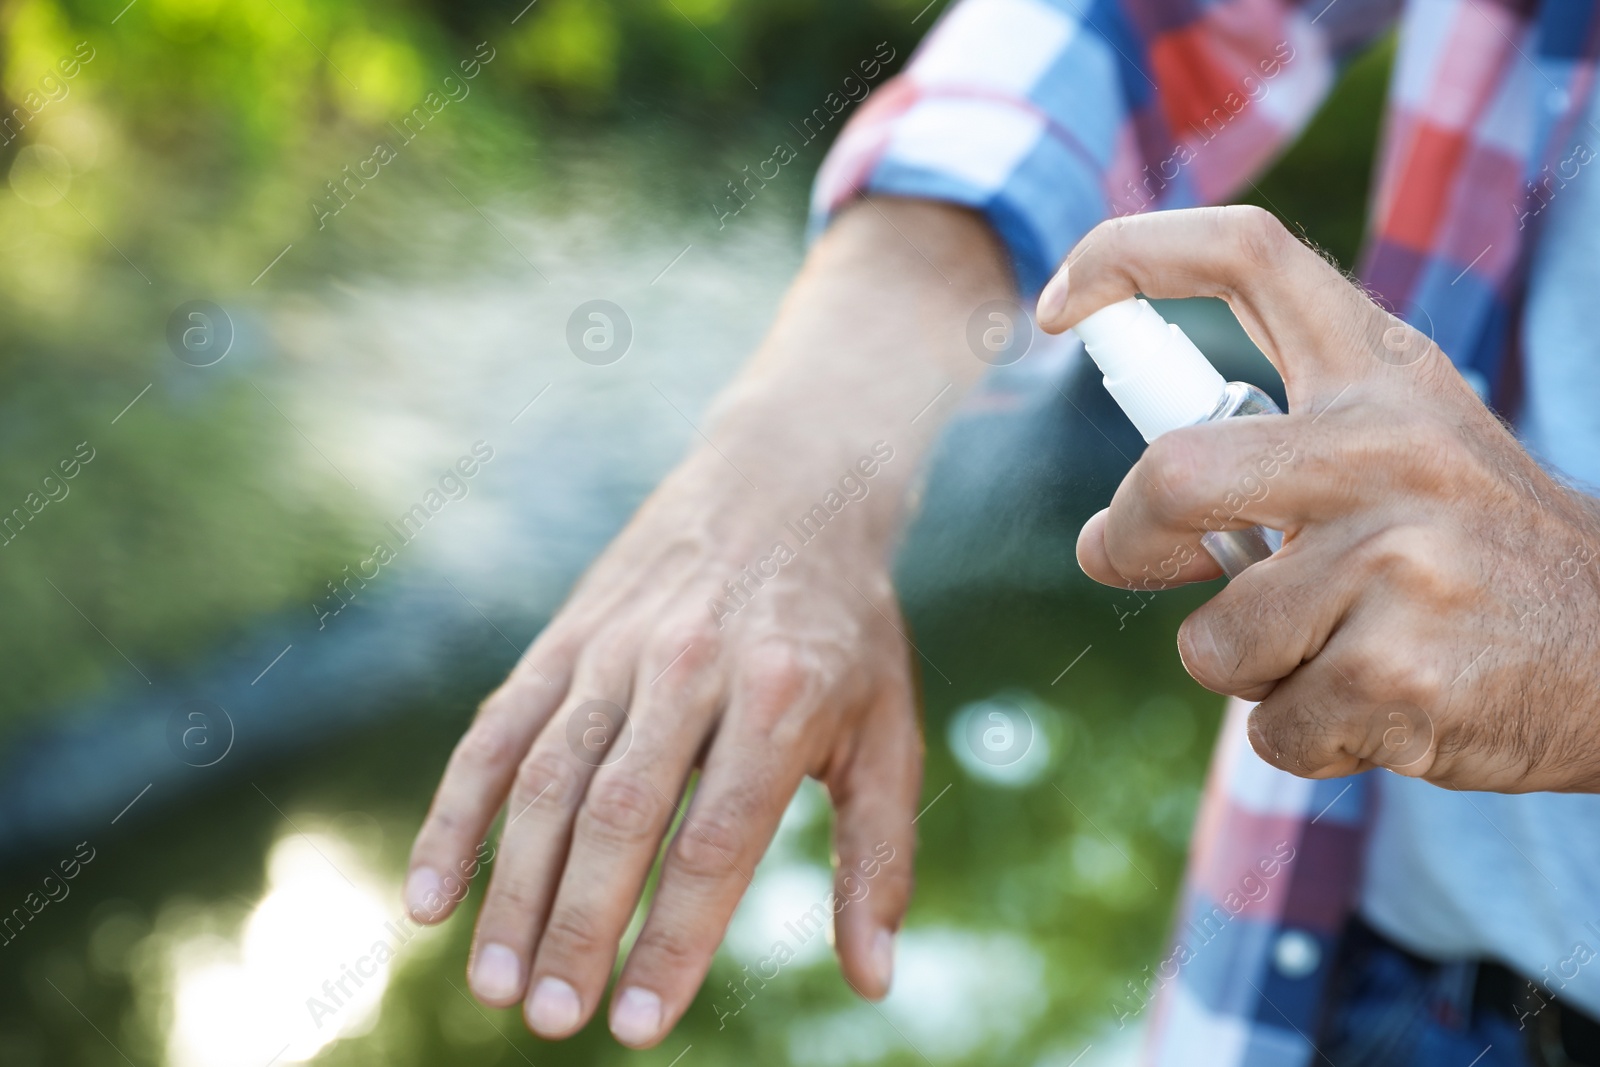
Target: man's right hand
800,667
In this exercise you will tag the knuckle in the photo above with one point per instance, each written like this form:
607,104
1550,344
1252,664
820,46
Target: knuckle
710,845
547,776
668,948
620,811
1425,452
611,645
485,746
1388,670
1108,231
1393,549
571,934
897,883
685,642
551,651
514,898
1173,474
559,641
777,676
1421,562
439,833
1260,239
1436,452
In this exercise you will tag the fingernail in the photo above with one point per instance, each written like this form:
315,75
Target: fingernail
1053,301
496,973
422,893
554,1009
883,958
636,1016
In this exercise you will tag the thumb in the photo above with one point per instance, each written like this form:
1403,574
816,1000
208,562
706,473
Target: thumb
876,796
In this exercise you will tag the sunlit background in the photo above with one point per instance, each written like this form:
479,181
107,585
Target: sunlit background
209,779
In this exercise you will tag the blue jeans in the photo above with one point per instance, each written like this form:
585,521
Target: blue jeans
1390,1009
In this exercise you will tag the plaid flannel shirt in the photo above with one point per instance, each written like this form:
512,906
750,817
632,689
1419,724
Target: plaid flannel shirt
1051,115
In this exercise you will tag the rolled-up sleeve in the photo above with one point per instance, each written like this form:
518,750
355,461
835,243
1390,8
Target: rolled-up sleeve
1051,115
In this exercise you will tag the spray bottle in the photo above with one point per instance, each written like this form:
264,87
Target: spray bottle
1162,381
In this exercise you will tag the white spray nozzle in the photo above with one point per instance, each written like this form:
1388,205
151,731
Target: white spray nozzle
1152,370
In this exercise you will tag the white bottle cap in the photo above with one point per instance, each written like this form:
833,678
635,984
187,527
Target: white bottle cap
1152,370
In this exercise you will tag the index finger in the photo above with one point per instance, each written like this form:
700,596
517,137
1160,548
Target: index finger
1316,327
1281,473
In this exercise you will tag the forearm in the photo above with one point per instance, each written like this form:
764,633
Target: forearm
869,345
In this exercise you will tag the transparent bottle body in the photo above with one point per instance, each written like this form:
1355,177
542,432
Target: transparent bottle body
1234,550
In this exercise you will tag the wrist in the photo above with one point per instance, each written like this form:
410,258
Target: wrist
744,497
868,355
